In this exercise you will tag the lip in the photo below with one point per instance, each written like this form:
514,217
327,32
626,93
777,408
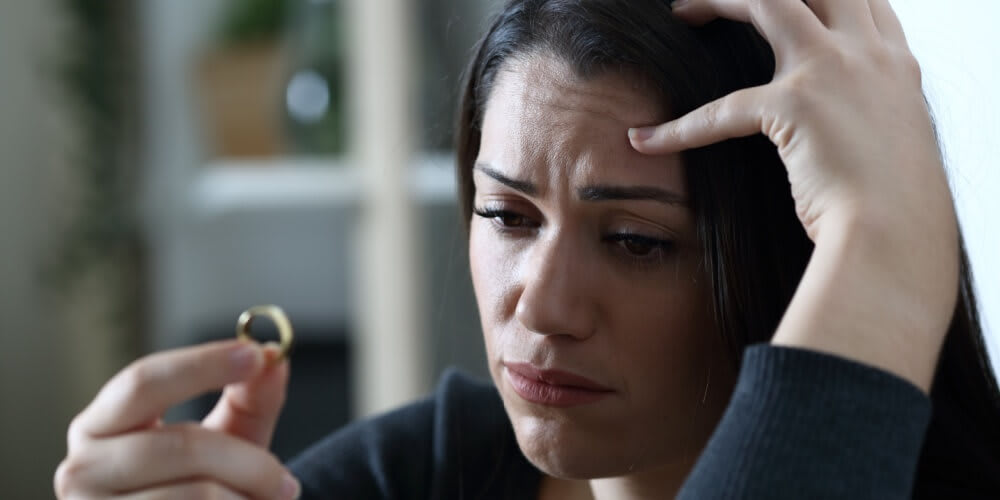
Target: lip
553,387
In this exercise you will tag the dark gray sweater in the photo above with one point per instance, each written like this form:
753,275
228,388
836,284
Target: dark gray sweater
800,425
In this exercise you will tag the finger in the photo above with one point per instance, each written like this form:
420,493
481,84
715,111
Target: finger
786,24
196,489
735,115
850,16
250,409
887,22
180,453
140,393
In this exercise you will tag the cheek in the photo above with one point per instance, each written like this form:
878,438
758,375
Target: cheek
669,329
479,267
490,278
661,335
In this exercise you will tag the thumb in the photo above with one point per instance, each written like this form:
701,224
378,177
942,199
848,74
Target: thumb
250,409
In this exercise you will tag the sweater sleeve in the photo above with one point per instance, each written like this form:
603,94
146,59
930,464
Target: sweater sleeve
803,424
458,443
385,457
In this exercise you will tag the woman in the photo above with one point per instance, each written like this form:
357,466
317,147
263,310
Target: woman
620,285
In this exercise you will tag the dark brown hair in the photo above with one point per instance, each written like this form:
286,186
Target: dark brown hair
755,249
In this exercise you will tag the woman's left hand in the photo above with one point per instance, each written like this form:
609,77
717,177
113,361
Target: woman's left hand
847,113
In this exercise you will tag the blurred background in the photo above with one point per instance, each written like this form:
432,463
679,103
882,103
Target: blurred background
165,164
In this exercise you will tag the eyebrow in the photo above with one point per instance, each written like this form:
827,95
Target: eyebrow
522,186
592,193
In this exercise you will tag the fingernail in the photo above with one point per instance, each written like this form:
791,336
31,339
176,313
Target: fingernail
245,357
678,3
290,488
641,134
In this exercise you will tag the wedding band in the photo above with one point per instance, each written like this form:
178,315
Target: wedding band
277,316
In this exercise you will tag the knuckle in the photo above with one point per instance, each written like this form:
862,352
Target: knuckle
911,66
271,476
67,477
882,57
880,54
206,490
899,62
135,380
713,114
797,95
60,481
889,58
838,61
664,135
75,432
180,442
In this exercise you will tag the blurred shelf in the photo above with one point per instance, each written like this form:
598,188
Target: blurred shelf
234,186
275,231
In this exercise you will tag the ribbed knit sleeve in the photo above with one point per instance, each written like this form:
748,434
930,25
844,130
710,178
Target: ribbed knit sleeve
803,424
456,444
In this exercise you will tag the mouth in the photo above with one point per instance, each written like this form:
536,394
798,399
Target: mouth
554,388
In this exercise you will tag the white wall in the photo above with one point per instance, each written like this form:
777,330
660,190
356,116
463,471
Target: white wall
958,46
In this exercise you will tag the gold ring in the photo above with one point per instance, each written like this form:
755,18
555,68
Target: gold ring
280,320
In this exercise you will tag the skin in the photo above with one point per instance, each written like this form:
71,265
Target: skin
847,114
119,448
556,289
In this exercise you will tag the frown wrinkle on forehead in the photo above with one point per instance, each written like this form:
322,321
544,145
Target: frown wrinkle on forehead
546,124
590,193
548,87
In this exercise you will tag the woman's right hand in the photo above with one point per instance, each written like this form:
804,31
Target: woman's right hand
120,448
847,114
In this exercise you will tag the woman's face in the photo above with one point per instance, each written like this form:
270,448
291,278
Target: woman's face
586,267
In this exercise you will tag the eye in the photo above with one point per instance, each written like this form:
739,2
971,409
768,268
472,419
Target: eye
506,218
640,246
637,246
511,219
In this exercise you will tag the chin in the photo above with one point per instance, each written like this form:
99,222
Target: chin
562,448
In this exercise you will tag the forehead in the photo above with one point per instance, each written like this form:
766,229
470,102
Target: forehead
545,80
543,118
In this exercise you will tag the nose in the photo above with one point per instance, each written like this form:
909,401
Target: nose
557,290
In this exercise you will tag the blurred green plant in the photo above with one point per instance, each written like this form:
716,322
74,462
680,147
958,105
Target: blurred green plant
97,76
254,20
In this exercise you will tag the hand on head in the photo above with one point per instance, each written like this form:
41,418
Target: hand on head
848,116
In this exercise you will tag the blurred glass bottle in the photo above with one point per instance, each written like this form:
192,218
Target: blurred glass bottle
314,93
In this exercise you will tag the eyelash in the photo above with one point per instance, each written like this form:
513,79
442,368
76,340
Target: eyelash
658,248
497,215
